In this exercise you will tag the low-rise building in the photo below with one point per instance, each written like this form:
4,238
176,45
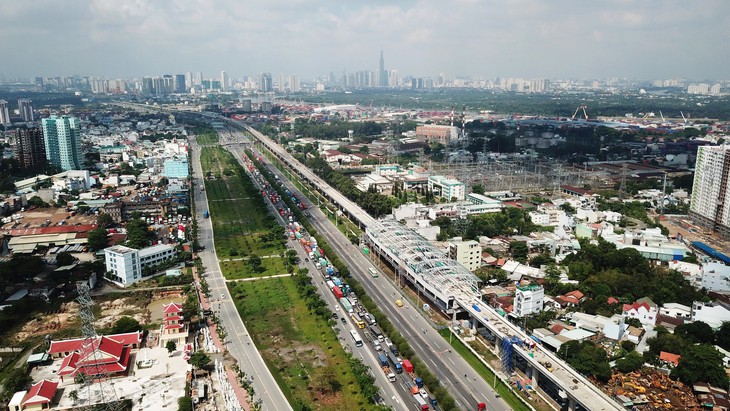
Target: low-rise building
467,253
528,300
447,188
713,313
124,265
715,276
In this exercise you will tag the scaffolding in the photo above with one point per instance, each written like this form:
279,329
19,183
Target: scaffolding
424,261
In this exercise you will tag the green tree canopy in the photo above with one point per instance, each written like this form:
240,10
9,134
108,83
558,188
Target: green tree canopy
125,325
98,239
199,359
633,361
701,362
104,220
138,234
696,332
64,258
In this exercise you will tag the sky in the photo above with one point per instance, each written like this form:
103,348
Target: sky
634,39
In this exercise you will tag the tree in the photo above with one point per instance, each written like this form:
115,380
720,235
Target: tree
104,220
199,360
722,336
171,347
17,380
696,332
184,404
36,201
125,325
477,189
64,258
631,362
138,234
74,395
98,239
519,250
255,262
701,362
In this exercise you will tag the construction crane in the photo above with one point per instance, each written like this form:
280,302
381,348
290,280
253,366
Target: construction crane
686,119
579,109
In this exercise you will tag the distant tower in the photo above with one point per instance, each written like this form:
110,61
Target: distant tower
4,112
224,81
25,106
383,75
266,84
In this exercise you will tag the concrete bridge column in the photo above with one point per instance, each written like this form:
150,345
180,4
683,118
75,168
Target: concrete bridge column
497,346
535,374
571,403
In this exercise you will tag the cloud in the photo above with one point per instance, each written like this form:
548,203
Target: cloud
531,38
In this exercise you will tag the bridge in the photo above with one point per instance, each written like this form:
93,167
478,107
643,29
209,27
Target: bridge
454,289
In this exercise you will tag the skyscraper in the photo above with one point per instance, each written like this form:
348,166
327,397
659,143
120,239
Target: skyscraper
383,76
710,205
29,149
4,112
225,81
294,84
62,141
266,85
25,106
180,84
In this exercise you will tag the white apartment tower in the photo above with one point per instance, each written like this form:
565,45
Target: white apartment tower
4,112
225,81
710,202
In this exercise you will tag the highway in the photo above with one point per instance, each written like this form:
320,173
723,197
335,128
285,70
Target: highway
393,395
238,342
467,387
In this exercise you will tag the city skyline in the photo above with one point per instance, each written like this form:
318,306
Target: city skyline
528,38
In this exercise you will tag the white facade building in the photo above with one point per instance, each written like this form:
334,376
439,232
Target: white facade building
466,253
709,206
125,264
713,314
528,300
716,276
447,188
122,263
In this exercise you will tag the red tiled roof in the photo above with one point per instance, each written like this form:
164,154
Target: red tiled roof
71,366
172,308
52,230
173,318
669,357
636,306
173,326
612,300
41,393
557,328
58,347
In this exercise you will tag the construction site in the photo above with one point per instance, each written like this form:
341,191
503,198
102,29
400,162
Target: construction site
649,389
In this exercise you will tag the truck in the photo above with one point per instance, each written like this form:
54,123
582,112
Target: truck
206,214
407,366
376,332
420,402
346,305
337,281
330,285
337,292
386,367
419,382
392,347
394,360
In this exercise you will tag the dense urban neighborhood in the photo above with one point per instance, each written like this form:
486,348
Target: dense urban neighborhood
229,250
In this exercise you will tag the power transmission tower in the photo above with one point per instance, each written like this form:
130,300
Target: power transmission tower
99,393
622,189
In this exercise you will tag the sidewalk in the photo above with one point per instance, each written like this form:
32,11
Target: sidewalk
241,394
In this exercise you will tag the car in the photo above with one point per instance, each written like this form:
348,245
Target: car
223,296
399,303
306,259
343,320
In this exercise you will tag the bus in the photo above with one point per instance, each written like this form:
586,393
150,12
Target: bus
372,272
356,317
356,337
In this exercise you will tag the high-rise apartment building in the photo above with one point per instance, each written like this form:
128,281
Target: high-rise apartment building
294,84
4,112
266,85
63,142
30,149
467,253
225,81
25,106
180,84
710,206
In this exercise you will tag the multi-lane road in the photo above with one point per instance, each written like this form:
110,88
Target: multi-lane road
467,387
238,342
